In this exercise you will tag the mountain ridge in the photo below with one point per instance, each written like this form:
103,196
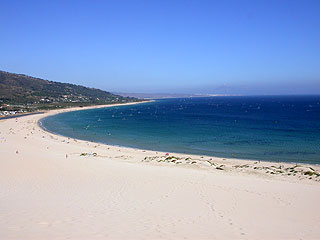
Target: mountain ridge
21,89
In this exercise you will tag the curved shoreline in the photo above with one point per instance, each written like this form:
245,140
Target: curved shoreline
203,161
92,107
154,150
84,109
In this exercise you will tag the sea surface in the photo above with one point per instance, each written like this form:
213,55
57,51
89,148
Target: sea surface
271,128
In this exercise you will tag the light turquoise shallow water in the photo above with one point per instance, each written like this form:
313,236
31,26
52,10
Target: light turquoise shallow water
273,128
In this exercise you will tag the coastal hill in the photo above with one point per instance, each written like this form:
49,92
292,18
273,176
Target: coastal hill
28,92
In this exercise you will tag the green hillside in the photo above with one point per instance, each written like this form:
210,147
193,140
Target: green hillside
29,92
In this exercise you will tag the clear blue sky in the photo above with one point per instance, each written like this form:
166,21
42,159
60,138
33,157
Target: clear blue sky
244,47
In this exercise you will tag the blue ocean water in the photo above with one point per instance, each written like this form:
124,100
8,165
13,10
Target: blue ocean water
273,128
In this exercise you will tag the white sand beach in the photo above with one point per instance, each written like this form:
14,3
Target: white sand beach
54,187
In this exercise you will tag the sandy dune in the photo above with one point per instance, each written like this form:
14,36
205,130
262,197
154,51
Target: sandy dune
49,191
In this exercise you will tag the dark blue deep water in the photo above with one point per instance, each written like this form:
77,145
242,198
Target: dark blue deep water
273,128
